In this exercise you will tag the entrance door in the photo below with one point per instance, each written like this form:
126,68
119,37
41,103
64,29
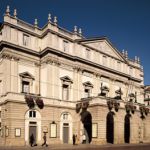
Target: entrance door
65,133
110,128
127,128
32,130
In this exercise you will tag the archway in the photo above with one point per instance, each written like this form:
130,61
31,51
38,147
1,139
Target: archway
127,128
65,127
86,119
32,125
110,127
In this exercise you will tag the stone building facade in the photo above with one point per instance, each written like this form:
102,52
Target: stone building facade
60,83
147,95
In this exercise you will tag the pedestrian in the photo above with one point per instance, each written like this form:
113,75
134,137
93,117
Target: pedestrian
44,138
32,140
84,139
74,139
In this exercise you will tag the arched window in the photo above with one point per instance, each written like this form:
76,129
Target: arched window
32,114
65,116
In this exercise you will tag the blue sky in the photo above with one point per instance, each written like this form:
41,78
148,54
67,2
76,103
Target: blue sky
125,22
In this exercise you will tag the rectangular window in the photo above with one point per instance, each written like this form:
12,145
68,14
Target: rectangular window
87,53
131,71
65,91
104,61
65,46
32,123
32,114
0,114
65,116
25,40
118,66
25,87
87,92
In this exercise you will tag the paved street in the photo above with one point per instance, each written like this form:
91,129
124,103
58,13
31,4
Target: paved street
83,147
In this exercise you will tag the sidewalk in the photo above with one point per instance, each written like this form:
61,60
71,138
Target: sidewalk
69,146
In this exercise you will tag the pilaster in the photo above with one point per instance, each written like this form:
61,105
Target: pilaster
14,74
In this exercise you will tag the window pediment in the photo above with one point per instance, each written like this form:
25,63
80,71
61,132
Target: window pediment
26,75
88,84
66,79
131,95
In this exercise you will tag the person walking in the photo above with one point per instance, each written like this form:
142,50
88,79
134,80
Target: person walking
32,140
44,138
84,139
74,139
77,140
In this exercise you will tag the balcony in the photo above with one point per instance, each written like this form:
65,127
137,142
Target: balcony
20,97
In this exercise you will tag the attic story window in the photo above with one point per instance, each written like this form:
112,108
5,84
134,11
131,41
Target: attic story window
25,40
65,46
87,53
118,65
104,60
131,71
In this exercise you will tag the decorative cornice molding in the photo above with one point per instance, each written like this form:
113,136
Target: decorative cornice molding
87,64
9,57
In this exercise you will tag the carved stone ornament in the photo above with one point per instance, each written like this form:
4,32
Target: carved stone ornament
130,107
31,100
144,111
82,105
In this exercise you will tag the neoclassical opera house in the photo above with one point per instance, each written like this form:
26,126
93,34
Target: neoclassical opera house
60,83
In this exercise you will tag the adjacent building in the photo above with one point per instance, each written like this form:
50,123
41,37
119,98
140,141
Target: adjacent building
60,83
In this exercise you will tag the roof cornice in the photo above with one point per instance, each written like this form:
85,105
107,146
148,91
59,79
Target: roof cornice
62,54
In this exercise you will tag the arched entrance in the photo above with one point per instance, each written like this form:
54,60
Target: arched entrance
110,127
127,128
86,118
66,127
32,126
